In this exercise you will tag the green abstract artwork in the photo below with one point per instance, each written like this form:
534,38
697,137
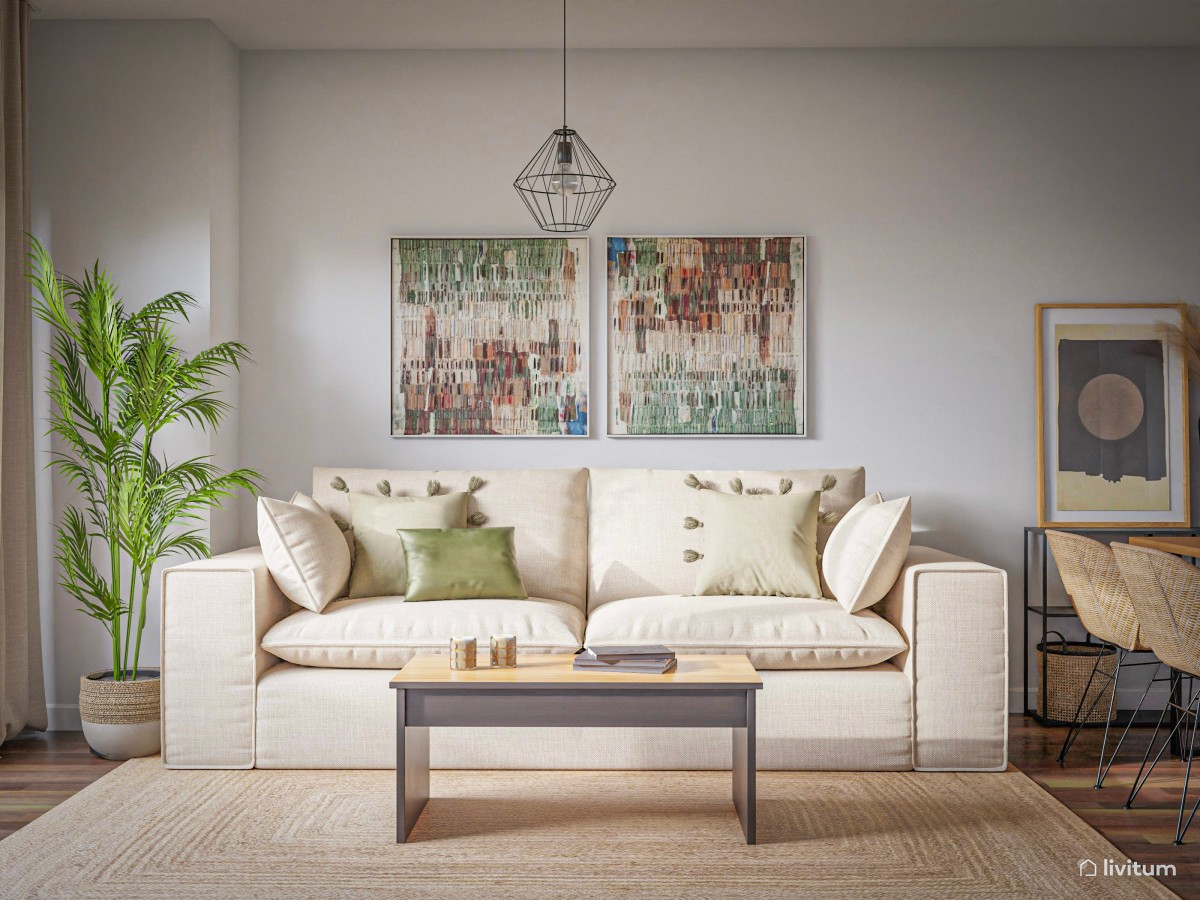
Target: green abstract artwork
489,337
706,336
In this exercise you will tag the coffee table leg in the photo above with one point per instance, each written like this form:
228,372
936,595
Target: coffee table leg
412,771
744,788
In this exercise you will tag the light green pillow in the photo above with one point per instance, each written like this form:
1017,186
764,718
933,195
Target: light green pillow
378,569
461,564
759,544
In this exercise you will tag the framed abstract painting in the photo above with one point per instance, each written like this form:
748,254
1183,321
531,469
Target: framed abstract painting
706,336
489,337
1112,416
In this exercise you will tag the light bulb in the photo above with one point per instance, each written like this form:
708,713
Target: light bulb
564,181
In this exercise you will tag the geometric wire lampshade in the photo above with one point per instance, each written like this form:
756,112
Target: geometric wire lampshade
564,185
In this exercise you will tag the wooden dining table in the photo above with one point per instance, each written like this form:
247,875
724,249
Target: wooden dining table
1178,545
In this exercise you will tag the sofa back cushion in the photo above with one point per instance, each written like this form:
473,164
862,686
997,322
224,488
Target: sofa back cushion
637,534
546,507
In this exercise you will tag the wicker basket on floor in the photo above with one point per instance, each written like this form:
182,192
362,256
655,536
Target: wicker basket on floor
1064,668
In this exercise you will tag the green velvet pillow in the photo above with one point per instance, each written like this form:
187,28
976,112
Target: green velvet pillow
461,564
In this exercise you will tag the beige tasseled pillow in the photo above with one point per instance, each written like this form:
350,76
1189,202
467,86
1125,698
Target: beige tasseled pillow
304,549
759,544
379,569
866,551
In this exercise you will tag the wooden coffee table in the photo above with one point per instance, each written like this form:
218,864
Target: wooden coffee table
545,692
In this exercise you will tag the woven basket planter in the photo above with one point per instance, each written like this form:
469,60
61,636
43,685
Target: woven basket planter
1064,668
121,718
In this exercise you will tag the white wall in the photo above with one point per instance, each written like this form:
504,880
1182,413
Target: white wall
133,140
944,193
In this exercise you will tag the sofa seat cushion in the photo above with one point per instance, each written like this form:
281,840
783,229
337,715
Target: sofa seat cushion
774,632
386,632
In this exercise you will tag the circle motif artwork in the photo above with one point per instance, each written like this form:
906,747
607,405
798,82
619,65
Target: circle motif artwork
1111,407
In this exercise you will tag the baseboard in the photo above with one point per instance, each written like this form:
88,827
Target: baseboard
63,717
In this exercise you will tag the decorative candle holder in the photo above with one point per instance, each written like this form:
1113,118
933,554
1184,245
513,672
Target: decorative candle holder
504,651
462,652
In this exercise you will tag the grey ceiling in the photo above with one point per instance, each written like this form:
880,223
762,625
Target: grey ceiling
499,24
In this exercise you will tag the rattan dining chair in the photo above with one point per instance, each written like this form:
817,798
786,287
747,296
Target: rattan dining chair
1166,594
1093,581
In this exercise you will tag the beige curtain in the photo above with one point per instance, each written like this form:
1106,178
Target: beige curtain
22,694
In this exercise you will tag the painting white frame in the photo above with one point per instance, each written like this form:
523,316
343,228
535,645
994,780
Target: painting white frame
801,340
584,318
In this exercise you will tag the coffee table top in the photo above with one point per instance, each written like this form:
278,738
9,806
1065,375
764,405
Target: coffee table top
694,671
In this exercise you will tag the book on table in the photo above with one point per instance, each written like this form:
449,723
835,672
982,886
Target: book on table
651,659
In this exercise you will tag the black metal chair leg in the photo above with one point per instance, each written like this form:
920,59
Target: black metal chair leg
1154,679
1180,826
1112,699
1076,727
1140,781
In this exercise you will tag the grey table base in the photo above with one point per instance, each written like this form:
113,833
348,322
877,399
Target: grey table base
420,708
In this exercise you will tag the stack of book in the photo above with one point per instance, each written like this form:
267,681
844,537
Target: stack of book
651,659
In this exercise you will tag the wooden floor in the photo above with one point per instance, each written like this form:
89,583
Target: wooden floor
1145,834
39,771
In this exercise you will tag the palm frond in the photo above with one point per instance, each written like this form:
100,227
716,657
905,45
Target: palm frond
1185,340
159,312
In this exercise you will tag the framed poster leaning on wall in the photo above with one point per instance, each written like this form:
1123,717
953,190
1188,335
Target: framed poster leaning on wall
1113,424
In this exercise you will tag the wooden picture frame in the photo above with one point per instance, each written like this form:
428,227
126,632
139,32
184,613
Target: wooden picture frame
1113,418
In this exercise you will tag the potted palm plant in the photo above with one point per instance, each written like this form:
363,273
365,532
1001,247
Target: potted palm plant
117,379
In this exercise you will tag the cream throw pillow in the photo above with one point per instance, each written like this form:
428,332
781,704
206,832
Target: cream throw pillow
759,544
379,556
304,550
866,551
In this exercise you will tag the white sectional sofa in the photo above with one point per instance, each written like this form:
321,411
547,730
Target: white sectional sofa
918,682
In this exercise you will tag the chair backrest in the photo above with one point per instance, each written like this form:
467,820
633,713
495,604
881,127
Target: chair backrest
1166,595
1098,592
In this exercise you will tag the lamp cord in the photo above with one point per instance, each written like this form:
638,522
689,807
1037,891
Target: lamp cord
564,65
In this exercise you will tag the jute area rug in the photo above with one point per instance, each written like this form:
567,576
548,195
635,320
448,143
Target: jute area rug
145,832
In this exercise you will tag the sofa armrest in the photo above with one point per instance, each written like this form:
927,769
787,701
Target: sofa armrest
214,615
954,615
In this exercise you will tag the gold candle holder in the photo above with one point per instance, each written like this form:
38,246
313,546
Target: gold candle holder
504,651
462,652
